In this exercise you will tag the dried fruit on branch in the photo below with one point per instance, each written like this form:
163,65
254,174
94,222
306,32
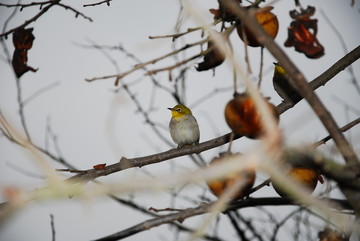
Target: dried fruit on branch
302,33
300,171
213,58
246,177
267,20
244,118
23,38
23,41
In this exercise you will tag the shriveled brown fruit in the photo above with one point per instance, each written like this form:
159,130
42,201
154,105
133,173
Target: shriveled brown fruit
213,58
23,38
246,176
302,33
243,117
23,41
19,62
267,20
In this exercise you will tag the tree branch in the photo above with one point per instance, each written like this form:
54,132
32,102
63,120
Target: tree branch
163,156
33,19
206,207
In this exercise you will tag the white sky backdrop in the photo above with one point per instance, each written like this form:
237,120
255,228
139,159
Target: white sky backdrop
94,125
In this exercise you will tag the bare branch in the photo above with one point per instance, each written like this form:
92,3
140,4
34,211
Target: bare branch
342,129
53,233
204,208
339,35
77,13
98,3
281,108
33,19
21,5
44,10
177,35
40,91
153,61
146,225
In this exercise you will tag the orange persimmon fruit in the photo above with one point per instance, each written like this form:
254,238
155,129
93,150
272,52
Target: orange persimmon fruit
267,20
218,186
306,176
243,117
300,169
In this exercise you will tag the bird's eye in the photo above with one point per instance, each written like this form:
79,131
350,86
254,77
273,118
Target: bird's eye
178,110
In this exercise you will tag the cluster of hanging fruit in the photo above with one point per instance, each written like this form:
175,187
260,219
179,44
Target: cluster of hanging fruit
244,119
23,41
242,115
298,169
301,32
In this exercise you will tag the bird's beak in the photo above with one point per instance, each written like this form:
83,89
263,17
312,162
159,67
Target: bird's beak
274,63
170,109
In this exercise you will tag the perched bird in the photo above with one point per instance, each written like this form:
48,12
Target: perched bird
184,128
283,86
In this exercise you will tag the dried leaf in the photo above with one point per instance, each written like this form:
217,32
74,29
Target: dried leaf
99,166
302,33
23,41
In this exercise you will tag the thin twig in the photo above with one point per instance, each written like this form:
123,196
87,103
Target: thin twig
77,13
179,226
249,226
261,66
53,233
40,91
171,67
342,129
341,39
24,5
261,185
98,3
70,170
177,35
235,224
153,61
44,10
21,109
33,19
283,221
146,225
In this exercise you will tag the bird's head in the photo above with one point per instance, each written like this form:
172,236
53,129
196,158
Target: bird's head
179,111
279,69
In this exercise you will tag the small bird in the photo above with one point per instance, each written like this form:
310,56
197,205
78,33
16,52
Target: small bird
184,128
283,86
